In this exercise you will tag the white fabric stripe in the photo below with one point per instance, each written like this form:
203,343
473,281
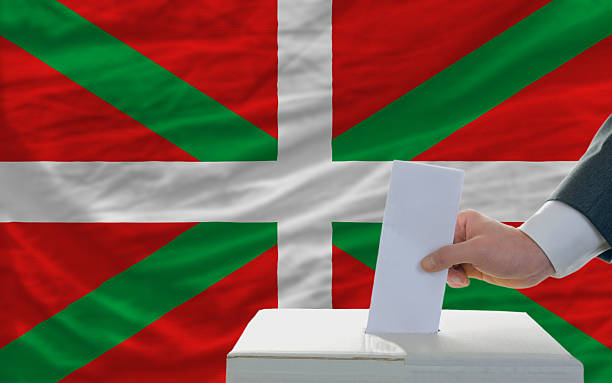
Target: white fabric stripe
304,139
510,191
248,191
304,200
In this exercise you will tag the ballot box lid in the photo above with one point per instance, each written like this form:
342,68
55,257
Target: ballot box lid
340,334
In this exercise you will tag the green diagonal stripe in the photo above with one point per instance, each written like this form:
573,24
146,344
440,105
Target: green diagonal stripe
126,303
132,83
478,82
362,240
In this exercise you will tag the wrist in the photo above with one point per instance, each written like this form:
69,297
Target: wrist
542,267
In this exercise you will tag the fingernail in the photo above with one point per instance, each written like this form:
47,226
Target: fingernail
428,263
456,280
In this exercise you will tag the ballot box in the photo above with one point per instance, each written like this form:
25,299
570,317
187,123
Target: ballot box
310,345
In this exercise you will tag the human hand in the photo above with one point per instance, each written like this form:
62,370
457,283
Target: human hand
486,249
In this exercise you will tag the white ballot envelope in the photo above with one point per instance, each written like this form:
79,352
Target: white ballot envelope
420,214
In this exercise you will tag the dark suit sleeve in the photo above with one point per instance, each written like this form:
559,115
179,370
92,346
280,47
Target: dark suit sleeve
588,187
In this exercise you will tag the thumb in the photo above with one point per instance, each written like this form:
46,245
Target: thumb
450,255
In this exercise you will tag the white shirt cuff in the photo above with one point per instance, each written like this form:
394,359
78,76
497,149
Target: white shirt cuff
566,236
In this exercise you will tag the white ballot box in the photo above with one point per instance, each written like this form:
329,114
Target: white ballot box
310,345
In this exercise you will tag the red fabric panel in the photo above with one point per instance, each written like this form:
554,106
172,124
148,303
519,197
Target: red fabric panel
44,116
227,49
351,281
47,266
553,119
385,48
189,344
584,299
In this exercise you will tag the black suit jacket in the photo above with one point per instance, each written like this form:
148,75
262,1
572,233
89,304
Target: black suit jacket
588,187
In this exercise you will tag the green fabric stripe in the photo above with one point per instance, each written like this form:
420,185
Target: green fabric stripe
595,356
132,83
361,238
128,302
478,82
